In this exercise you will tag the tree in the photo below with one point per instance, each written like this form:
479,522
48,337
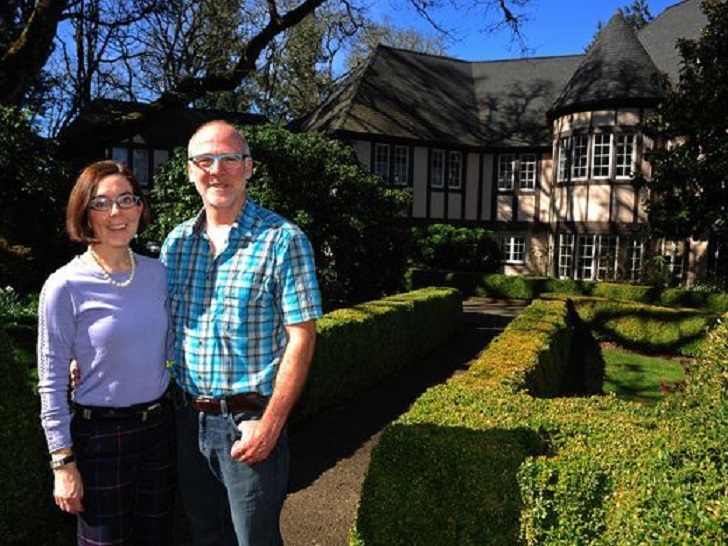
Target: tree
349,215
32,195
688,186
386,33
262,23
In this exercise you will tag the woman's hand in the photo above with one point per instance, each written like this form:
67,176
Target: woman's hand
68,488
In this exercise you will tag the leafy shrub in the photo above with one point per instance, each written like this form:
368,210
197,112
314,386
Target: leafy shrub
443,246
349,215
33,193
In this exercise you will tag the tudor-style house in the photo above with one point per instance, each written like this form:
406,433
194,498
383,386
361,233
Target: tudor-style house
542,151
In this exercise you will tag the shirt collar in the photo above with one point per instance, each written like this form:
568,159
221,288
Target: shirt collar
244,223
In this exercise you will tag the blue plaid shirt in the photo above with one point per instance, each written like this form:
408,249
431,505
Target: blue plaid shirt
229,311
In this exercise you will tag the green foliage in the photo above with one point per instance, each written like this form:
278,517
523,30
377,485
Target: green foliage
350,216
359,346
548,471
32,195
648,328
688,179
27,513
521,287
443,246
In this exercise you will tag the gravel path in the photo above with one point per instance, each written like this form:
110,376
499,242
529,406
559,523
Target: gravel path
330,455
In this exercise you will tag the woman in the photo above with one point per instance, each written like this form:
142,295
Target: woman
112,442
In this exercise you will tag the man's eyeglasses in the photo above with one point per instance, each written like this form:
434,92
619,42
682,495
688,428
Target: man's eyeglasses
103,203
228,162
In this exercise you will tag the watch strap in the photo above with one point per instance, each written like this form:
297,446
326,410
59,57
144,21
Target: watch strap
63,461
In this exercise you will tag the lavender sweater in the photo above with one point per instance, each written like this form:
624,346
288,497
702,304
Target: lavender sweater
120,338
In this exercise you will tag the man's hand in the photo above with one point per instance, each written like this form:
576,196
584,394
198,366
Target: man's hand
255,444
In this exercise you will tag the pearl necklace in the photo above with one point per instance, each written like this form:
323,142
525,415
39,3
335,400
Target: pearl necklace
107,275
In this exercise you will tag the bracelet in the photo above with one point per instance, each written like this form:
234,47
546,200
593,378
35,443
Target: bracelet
58,463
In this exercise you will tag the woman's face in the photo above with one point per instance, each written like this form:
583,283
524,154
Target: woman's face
117,226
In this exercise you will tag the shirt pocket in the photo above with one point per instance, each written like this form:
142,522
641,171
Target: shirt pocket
247,301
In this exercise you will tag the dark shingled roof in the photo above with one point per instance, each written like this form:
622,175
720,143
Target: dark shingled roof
442,101
684,20
408,95
616,71
173,130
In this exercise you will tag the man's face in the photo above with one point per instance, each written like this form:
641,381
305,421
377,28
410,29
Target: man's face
222,184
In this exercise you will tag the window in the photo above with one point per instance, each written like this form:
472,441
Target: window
672,252
607,249
137,159
625,156
601,152
579,157
527,172
636,252
381,160
513,249
401,165
437,168
585,257
566,255
141,166
506,171
455,170
563,160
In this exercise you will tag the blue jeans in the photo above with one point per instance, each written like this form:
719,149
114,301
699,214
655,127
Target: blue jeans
226,502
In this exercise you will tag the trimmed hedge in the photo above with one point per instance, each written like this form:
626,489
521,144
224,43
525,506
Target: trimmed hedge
360,346
530,288
355,348
481,460
646,328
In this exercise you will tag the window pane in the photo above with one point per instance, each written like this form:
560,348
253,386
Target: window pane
625,156
563,152
636,251
527,174
585,257
455,168
381,160
120,154
437,168
401,165
600,155
566,255
141,166
580,156
514,249
505,171
607,257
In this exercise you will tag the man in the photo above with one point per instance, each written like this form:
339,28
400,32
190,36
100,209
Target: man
244,303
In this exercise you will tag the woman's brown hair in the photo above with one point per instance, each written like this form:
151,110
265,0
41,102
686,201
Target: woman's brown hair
77,223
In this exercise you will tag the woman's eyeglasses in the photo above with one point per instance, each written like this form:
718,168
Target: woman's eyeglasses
103,203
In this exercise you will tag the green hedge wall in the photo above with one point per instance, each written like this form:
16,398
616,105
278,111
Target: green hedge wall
360,346
530,288
483,460
356,347
638,326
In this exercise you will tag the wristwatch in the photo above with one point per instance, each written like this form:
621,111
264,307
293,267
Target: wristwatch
63,461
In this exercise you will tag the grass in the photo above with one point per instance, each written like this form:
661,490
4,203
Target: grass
639,378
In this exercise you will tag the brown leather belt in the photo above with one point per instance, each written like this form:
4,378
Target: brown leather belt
236,403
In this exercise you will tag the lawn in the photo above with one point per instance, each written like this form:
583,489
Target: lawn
639,378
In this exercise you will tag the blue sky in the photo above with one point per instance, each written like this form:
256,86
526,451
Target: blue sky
555,27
